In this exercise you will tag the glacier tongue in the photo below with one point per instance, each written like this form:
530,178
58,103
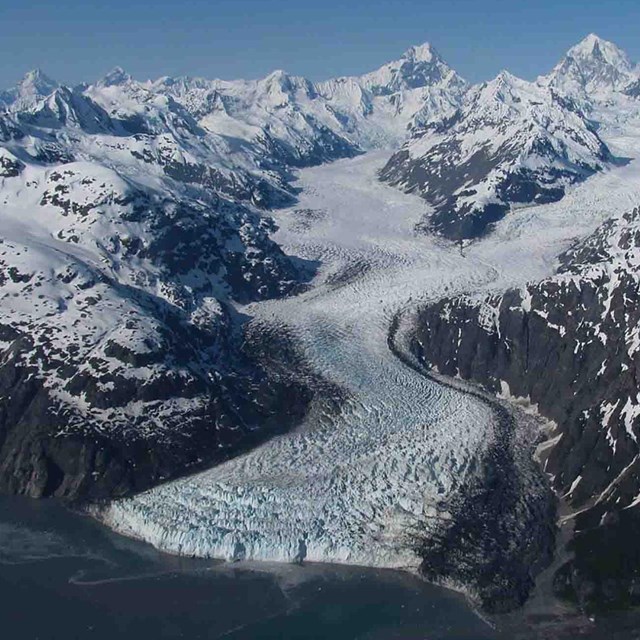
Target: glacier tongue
364,484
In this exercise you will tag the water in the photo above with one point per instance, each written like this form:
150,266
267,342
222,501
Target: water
63,576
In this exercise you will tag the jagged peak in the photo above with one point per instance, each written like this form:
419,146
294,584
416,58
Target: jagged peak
593,46
506,80
116,76
594,66
277,74
34,86
282,82
507,77
37,77
278,78
424,52
589,42
36,82
419,66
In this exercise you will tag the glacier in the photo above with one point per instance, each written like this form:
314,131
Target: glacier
363,484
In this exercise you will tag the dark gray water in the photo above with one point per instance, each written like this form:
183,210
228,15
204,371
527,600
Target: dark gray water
64,577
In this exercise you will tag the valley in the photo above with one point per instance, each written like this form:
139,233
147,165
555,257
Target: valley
335,322
352,487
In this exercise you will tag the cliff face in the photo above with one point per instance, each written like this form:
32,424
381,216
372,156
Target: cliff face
570,345
124,422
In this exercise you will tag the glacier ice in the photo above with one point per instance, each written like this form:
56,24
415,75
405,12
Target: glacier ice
359,485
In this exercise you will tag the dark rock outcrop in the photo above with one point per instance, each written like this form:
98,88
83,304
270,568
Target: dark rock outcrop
191,415
569,344
499,532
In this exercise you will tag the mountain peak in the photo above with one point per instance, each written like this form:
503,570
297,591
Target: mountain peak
278,82
421,53
420,66
278,75
506,89
34,86
115,77
596,48
594,66
36,82
37,76
506,77
589,42
505,80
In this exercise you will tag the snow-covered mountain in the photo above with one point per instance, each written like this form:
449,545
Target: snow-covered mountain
592,69
604,82
312,122
128,233
32,88
133,224
511,143
135,233
379,108
570,345
120,356
280,114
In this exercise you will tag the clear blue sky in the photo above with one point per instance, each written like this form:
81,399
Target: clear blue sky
78,40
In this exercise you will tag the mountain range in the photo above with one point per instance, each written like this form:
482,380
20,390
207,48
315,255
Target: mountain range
136,229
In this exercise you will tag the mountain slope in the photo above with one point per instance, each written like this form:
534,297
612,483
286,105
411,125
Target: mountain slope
570,346
127,235
511,143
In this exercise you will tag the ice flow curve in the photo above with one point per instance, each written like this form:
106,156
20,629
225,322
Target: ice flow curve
355,487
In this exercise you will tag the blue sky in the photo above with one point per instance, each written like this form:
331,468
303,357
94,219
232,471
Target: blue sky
74,40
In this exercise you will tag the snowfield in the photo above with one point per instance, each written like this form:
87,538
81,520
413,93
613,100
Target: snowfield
361,484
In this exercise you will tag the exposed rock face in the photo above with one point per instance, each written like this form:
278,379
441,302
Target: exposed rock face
511,143
505,499
570,344
633,90
121,421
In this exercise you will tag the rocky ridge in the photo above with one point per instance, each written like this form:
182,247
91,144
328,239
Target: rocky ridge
569,346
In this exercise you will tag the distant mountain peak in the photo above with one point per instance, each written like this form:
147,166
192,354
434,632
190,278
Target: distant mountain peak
117,76
37,78
34,86
594,66
419,66
278,79
421,53
589,44
506,77
597,48
505,87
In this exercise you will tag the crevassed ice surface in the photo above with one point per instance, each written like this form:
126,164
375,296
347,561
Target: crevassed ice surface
356,486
